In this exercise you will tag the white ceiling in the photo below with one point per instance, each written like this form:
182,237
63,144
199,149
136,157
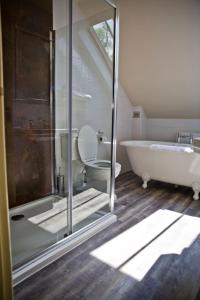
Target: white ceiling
160,56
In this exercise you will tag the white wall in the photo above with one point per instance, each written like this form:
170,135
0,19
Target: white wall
139,123
161,129
124,127
167,129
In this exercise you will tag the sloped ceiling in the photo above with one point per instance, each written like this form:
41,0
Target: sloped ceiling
160,56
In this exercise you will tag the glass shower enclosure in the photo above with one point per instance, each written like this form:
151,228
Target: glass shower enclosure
59,64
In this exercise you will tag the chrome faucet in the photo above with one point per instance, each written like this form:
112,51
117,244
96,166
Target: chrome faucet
185,137
191,138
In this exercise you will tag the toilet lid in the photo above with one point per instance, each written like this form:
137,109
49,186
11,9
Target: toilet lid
87,143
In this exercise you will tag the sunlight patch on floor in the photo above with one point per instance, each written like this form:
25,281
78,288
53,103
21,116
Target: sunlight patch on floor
85,205
133,253
118,250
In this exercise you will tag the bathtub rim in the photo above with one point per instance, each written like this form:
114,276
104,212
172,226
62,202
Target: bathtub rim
147,143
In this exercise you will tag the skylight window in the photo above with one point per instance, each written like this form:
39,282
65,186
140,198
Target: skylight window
104,35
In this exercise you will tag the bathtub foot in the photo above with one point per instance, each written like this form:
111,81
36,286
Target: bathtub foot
146,179
196,189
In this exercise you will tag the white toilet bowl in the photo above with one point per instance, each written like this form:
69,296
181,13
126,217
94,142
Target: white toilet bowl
100,169
95,169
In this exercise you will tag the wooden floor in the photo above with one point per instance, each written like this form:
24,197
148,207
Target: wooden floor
162,264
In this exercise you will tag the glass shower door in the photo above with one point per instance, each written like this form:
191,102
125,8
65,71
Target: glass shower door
92,103
35,63
58,68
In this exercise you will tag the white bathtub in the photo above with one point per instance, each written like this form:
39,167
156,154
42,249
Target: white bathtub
169,162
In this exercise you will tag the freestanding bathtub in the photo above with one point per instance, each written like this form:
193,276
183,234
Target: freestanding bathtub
169,162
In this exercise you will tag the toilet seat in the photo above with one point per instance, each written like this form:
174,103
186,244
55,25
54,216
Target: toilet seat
87,146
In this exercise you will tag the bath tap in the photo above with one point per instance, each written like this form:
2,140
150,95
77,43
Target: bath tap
191,139
185,138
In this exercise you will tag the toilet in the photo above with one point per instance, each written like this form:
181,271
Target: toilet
95,169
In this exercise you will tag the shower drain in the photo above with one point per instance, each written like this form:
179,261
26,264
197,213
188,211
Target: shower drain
17,217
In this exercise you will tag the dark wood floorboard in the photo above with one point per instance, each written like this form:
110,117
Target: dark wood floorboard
79,275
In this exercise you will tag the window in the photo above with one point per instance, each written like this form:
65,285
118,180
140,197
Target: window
104,35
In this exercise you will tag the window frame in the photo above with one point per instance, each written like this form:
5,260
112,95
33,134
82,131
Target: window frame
98,42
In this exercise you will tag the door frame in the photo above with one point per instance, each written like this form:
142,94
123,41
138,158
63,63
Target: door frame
6,292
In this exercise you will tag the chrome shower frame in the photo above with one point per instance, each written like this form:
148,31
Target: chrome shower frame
60,248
